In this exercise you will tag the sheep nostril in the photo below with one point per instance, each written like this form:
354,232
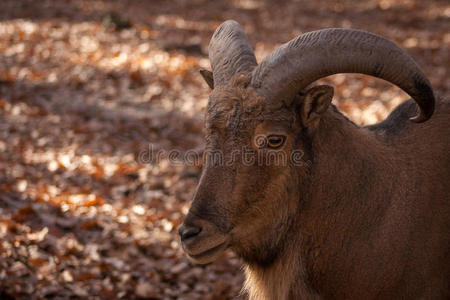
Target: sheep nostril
188,232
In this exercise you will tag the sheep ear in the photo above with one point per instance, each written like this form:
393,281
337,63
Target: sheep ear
316,101
208,77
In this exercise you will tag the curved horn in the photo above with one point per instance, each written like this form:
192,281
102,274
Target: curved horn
230,52
321,53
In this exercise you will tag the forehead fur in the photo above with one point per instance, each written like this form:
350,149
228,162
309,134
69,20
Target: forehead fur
235,105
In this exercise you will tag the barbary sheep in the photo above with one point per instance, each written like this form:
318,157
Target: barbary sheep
357,212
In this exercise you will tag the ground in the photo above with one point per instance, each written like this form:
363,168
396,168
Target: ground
89,90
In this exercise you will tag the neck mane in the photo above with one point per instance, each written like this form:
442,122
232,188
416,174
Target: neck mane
281,280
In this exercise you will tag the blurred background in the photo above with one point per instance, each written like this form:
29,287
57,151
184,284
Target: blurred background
87,87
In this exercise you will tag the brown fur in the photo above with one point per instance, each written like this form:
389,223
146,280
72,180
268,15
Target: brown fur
365,216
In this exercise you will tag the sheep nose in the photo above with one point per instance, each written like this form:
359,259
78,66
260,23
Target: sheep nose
188,231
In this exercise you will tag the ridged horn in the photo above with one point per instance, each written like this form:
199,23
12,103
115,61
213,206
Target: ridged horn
230,52
321,53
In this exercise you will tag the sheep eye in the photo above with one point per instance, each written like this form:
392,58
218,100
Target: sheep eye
275,141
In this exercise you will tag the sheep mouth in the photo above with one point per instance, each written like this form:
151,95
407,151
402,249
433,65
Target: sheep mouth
208,255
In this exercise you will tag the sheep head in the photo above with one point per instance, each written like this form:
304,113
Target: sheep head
260,121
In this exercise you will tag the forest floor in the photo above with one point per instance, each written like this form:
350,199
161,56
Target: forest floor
88,89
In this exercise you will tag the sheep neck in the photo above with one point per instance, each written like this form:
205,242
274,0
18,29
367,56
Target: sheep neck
351,179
